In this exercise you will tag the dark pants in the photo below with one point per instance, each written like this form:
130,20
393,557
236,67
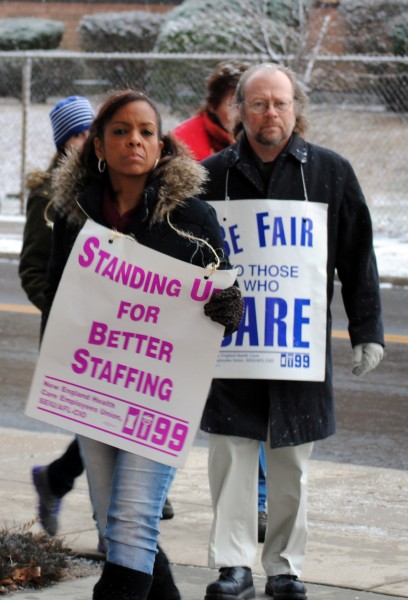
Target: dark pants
63,471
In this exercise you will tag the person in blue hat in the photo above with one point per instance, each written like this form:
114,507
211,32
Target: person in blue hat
71,119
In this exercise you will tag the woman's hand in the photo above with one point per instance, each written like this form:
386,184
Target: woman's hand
226,307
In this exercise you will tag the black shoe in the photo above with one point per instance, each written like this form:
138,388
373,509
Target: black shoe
262,522
163,585
285,587
168,512
49,505
117,582
233,583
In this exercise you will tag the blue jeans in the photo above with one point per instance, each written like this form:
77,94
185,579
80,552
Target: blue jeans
262,479
127,493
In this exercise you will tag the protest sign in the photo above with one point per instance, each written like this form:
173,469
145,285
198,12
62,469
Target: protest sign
279,248
128,353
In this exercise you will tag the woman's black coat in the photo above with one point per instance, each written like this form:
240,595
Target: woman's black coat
76,198
299,412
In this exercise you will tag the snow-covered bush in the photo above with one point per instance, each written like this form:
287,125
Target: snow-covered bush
379,27
399,35
29,33
395,90
129,31
247,26
270,27
47,78
368,24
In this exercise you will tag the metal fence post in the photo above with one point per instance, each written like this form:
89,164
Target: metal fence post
26,99
311,62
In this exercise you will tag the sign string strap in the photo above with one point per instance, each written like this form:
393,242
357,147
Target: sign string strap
212,267
227,198
200,243
118,234
304,190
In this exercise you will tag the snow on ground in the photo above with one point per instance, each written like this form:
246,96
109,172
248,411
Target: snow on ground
392,256
10,244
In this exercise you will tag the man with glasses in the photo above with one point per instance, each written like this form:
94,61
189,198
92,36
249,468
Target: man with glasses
272,161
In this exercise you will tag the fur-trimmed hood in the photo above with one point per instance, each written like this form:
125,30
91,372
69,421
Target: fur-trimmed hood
37,178
182,178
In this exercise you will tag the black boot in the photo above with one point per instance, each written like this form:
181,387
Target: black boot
285,587
122,583
233,582
163,586
168,512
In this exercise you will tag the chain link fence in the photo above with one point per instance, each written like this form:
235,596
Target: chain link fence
358,107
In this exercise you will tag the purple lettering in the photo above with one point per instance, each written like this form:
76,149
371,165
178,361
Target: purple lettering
205,294
102,257
97,334
86,261
80,356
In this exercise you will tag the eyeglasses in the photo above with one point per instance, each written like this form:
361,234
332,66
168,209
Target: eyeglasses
261,106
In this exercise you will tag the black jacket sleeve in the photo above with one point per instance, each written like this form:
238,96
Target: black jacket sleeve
62,241
357,267
35,250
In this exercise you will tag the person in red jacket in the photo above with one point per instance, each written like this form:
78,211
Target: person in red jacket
209,131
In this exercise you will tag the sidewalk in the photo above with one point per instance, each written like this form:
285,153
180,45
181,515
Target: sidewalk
358,540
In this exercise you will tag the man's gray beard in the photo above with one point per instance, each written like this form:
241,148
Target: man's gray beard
264,142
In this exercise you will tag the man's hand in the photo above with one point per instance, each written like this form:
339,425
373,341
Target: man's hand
366,357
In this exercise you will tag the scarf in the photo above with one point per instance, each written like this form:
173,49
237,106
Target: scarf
219,137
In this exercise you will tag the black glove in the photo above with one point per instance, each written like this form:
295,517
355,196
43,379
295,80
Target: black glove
226,307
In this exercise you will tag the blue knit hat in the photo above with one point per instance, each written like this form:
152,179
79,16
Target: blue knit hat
69,117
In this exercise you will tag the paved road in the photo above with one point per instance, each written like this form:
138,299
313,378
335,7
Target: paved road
372,412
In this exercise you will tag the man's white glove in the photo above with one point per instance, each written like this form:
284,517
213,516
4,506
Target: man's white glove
366,357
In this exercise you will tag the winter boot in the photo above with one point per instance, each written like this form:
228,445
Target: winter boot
122,583
163,586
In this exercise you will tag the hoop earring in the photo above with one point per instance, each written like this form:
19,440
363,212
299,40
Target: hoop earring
101,165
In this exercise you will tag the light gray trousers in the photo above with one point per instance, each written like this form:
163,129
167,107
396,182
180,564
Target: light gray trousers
233,477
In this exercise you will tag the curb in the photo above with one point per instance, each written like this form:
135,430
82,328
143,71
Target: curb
13,226
9,256
396,281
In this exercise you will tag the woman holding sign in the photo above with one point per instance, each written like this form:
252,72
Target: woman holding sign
131,178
